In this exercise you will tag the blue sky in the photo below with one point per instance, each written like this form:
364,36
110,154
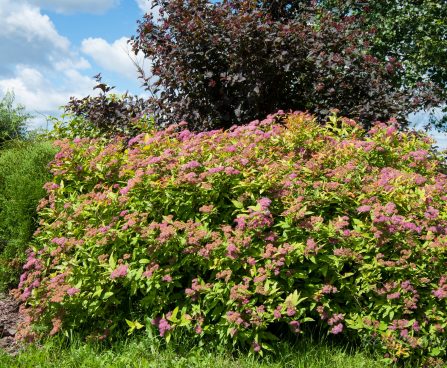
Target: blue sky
50,49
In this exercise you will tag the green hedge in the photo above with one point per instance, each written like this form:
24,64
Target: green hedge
23,171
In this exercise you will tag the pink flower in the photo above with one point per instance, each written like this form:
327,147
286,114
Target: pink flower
337,329
277,313
240,222
184,135
232,251
26,294
431,213
23,277
419,155
328,289
120,271
167,278
124,190
393,296
251,261
59,241
335,318
231,171
231,148
256,346
215,170
416,326
295,326
264,203
206,209
163,327
440,293
73,291
311,247
191,165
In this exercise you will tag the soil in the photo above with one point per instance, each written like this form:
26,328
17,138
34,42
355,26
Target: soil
9,318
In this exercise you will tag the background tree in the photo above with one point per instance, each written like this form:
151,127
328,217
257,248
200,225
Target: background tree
412,32
13,119
218,64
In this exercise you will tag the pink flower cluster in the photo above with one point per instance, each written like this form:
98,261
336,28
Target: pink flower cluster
120,271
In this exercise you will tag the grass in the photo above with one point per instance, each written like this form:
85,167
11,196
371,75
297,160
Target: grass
144,352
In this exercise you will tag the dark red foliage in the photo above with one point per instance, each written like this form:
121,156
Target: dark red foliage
225,63
110,114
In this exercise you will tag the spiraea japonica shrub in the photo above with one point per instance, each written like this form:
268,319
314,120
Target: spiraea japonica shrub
232,236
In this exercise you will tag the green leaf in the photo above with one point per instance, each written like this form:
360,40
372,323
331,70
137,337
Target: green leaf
112,262
173,317
98,290
138,325
107,295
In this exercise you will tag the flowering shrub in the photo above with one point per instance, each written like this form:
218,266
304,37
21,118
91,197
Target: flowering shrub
226,234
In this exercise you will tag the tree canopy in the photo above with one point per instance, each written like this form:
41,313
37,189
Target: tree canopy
13,119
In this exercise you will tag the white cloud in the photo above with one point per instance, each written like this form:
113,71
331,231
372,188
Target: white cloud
42,67
37,63
34,90
64,64
27,23
27,34
146,7
116,57
77,6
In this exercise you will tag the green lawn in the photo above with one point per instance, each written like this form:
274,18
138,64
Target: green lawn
144,353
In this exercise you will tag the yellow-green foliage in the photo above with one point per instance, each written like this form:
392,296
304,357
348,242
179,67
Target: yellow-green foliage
239,235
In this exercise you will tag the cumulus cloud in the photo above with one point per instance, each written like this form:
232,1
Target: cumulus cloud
42,67
33,89
144,5
77,6
39,95
26,34
116,57
23,21
37,63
